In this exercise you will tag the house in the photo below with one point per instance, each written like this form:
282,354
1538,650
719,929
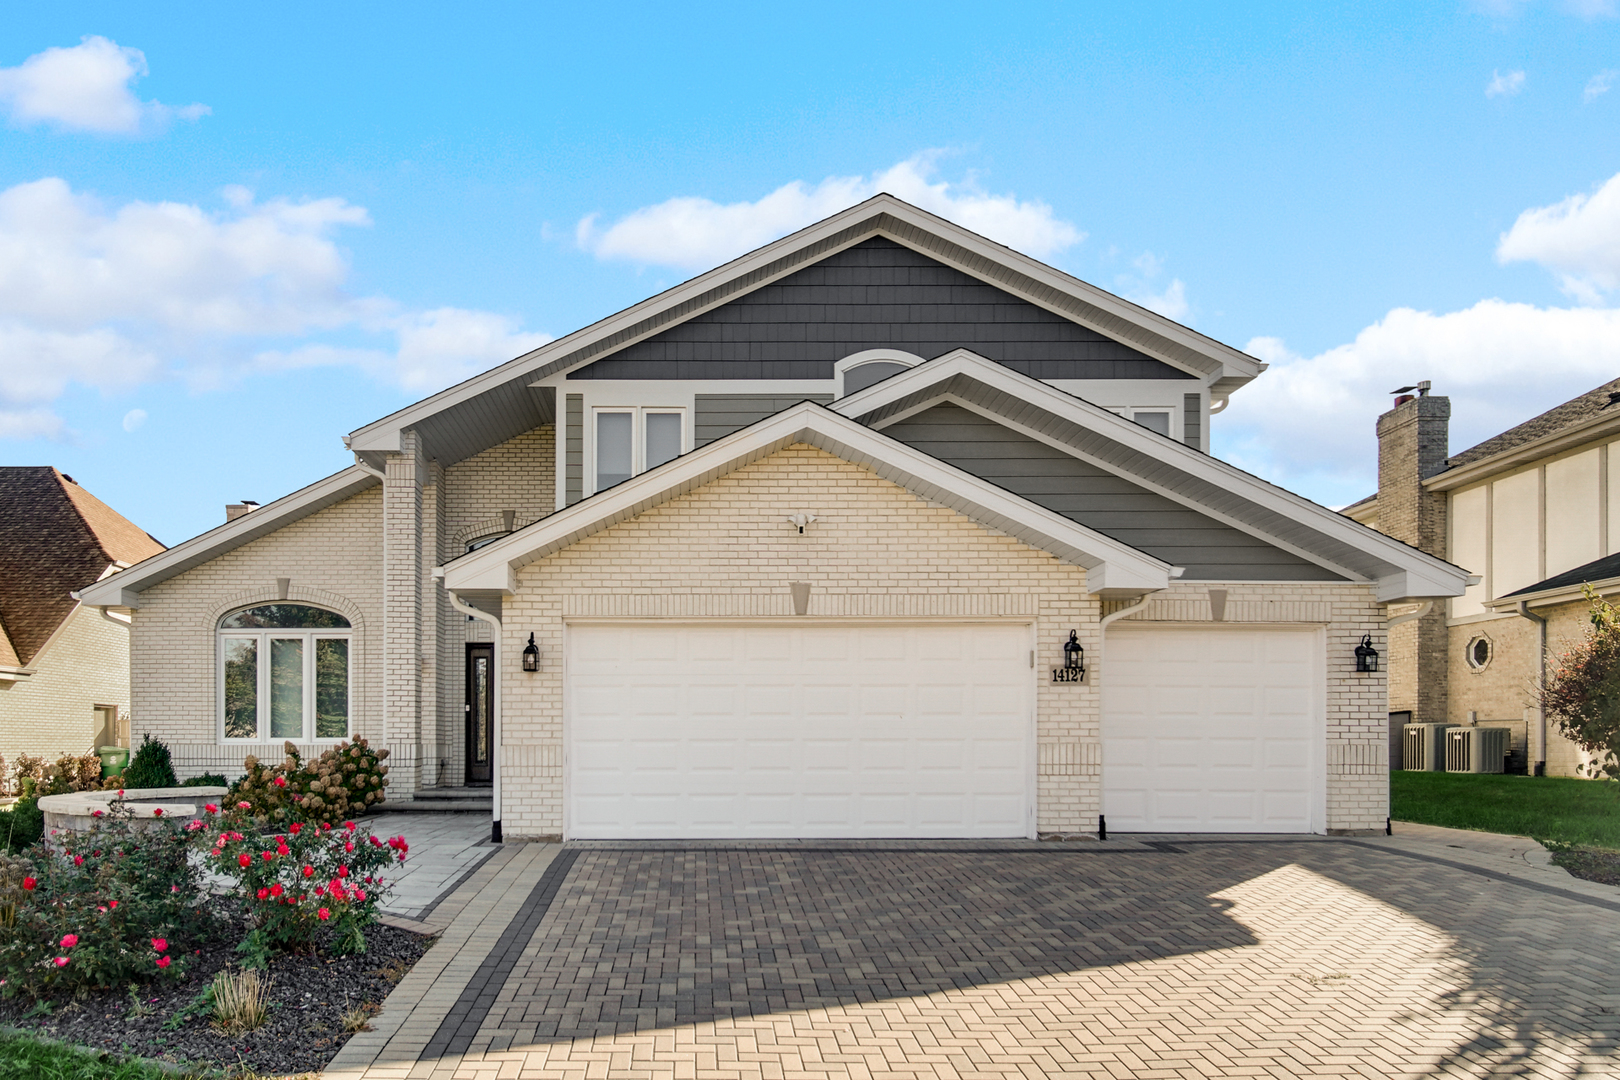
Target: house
1533,514
881,530
64,666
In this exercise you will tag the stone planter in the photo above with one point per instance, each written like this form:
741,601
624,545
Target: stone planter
75,811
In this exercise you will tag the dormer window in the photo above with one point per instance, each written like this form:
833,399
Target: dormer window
870,367
629,441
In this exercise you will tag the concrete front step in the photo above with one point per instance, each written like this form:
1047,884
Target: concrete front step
438,806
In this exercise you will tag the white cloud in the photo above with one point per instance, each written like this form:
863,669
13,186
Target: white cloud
1501,84
111,298
697,233
1598,85
1578,238
134,419
1308,422
86,88
1143,288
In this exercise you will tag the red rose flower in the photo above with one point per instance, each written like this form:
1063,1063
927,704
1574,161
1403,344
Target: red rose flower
244,860
296,827
309,871
61,961
264,894
160,944
323,914
164,961
70,940
276,890
78,860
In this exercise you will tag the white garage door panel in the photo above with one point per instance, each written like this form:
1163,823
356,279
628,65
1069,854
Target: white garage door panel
1212,730
805,731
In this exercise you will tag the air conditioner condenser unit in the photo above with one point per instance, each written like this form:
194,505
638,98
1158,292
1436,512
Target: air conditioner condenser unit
1476,749
1423,747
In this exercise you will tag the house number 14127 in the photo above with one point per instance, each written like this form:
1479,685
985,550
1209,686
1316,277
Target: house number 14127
1063,674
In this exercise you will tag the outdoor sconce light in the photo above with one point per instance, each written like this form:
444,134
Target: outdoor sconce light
1074,661
531,655
1366,655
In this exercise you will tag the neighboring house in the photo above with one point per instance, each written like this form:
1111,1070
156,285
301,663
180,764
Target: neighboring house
793,549
1533,513
64,667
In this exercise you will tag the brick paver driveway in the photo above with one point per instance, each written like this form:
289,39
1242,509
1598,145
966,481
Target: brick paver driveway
1200,958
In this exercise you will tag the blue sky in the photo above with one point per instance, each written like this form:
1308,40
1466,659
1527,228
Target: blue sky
228,237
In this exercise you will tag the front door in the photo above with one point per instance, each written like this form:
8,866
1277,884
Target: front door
480,711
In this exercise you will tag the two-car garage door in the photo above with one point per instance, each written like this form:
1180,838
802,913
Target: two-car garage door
802,730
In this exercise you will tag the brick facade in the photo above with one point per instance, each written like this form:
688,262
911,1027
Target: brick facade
727,550
52,711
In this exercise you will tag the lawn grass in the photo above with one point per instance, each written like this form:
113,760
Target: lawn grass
1585,813
25,1058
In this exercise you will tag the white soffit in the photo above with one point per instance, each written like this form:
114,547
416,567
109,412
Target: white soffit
1195,479
123,589
458,416
1113,568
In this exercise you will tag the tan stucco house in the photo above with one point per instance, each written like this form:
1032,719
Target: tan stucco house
1533,514
882,530
64,667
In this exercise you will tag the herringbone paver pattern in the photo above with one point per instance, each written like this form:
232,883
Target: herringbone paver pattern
1219,959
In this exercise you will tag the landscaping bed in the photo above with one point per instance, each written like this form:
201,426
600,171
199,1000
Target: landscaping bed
304,1027
1591,864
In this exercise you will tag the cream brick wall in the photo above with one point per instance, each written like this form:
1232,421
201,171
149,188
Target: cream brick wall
877,550
52,712
333,558
1505,688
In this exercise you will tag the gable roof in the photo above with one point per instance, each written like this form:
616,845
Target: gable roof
1113,569
1160,464
55,537
124,588
503,402
1599,403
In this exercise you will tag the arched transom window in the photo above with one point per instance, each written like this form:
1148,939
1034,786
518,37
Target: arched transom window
284,674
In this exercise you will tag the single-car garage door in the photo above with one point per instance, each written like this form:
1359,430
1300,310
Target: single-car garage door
1213,730
809,730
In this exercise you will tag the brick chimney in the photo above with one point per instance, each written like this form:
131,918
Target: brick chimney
236,510
1413,444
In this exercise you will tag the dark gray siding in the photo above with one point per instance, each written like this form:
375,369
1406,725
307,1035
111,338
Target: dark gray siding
1210,550
574,449
718,415
873,295
1192,420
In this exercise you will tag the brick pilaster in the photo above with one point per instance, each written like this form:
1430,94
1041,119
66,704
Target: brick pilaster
402,600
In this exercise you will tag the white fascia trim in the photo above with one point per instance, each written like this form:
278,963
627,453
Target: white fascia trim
1110,565
124,588
1415,568
383,434
1549,597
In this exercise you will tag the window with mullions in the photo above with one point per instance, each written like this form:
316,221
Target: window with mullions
631,441
284,674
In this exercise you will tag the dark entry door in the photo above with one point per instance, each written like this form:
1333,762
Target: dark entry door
480,712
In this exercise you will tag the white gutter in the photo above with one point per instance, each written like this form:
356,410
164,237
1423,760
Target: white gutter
1524,612
495,702
1424,609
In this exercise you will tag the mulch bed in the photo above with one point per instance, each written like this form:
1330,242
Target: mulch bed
1590,864
303,1032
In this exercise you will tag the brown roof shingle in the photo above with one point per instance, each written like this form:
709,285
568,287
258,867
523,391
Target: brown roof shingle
55,538
1553,420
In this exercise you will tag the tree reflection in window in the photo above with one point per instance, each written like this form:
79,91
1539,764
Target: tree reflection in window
288,664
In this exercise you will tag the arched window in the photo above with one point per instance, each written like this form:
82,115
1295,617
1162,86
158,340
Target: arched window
859,370
284,674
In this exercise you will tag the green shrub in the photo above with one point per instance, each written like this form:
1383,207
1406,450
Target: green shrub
22,825
150,766
106,907
343,782
211,779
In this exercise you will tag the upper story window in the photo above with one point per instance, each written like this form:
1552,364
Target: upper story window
632,440
870,367
1153,419
284,674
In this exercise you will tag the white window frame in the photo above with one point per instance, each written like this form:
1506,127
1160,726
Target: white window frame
871,356
1173,424
264,637
638,435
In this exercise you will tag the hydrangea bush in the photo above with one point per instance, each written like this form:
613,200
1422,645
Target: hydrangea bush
342,783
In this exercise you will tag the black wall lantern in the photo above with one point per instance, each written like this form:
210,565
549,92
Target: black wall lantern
1366,655
1074,654
531,655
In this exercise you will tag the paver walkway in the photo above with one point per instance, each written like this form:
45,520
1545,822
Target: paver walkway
444,848
1177,957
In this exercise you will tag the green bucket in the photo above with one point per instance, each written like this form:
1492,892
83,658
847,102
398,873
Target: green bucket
113,759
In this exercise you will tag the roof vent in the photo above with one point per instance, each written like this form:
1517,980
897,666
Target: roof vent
75,483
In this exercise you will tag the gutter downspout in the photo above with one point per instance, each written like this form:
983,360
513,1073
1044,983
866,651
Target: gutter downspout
495,703
382,477
1102,636
1524,612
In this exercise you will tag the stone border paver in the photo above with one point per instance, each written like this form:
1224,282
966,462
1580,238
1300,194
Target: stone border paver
472,921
